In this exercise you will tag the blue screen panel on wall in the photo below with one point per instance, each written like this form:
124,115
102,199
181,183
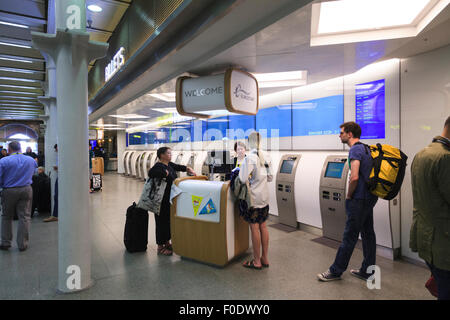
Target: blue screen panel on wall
198,130
137,138
240,126
277,120
217,128
181,132
321,116
370,109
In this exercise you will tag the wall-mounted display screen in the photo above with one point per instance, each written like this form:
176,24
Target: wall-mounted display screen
370,109
334,170
278,119
240,126
217,128
198,130
321,116
287,166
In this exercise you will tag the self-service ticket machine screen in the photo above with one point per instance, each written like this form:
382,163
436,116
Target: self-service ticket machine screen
218,165
333,183
285,189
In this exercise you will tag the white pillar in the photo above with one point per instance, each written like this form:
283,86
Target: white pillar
121,145
72,51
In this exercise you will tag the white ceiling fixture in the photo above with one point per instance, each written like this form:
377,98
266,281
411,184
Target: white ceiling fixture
346,21
168,96
134,122
165,110
18,87
281,79
95,8
14,45
129,116
105,125
17,70
18,92
16,60
19,79
14,24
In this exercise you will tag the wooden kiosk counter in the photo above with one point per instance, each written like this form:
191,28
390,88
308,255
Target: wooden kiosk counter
205,222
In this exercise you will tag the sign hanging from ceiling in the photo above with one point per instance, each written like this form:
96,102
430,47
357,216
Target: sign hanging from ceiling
116,63
235,91
70,14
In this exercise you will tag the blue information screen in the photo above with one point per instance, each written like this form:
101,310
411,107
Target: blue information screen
277,118
334,170
240,126
321,116
370,109
217,128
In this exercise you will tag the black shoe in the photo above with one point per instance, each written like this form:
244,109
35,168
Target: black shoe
328,276
359,274
4,248
22,249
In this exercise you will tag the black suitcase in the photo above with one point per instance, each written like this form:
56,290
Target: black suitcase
96,182
135,236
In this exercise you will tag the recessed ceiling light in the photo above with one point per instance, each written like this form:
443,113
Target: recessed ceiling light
14,24
129,116
18,87
16,60
18,70
19,79
346,21
165,110
14,45
168,96
94,8
133,122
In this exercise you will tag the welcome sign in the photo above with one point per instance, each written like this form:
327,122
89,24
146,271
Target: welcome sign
235,91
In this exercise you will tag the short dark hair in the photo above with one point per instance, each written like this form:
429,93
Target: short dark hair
15,146
447,122
55,146
161,151
352,127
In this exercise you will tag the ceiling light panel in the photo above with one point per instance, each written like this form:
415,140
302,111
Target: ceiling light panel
347,21
14,25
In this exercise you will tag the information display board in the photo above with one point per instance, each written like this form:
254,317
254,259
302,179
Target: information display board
278,118
370,109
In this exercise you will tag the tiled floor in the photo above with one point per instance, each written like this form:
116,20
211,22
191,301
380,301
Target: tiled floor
295,260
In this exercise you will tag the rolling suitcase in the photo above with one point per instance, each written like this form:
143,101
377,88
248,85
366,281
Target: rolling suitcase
96,182
135,236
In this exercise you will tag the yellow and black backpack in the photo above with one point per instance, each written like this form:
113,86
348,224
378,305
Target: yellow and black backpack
388,170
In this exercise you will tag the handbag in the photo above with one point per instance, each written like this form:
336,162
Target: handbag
152,195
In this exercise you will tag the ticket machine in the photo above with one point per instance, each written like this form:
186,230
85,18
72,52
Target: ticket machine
135,164
128,163
285,189
126,154
332,193
149,160
217,165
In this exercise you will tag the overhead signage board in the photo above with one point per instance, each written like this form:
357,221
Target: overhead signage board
116,63
71,15
235,91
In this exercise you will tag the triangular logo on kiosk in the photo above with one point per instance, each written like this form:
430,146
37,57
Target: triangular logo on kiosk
210,208
196,202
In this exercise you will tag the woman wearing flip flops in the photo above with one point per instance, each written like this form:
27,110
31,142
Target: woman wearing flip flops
256,170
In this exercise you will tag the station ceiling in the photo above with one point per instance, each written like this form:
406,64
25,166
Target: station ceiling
22,68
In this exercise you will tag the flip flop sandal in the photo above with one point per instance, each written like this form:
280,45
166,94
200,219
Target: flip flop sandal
165,251
251,265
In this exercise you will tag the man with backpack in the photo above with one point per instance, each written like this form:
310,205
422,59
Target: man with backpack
430,231
359,206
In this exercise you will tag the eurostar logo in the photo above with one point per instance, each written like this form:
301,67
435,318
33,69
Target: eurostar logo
241,93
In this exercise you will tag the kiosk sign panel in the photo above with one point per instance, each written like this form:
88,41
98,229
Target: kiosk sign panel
370,109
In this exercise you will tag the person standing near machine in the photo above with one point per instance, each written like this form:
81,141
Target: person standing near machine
240,149
54,216
430,231
256,170
168,170
16,172
359,208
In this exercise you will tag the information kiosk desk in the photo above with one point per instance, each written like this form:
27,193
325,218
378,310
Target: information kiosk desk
205,222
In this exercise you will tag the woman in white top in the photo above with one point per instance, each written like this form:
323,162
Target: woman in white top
256,170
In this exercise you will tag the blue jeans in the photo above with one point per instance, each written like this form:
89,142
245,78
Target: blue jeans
359,220
442,278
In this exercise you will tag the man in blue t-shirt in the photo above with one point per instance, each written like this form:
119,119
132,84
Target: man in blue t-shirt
359,208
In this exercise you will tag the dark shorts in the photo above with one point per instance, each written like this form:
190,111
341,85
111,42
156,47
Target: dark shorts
256,215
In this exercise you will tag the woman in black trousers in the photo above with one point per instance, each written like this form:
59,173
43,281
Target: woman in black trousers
165,169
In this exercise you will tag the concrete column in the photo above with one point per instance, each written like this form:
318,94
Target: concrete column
72,51
121,145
